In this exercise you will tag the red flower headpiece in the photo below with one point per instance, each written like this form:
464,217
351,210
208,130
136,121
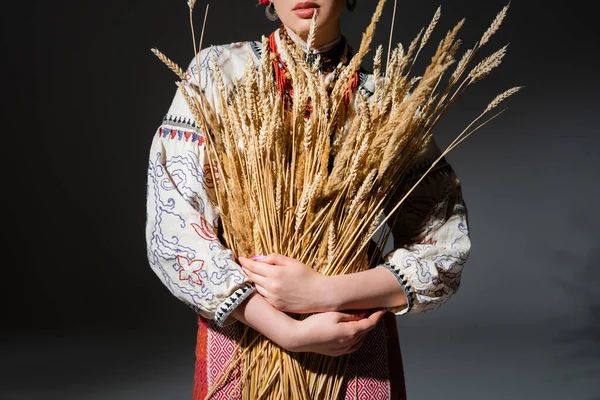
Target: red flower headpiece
264,2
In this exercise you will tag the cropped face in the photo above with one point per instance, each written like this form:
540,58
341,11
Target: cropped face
297,15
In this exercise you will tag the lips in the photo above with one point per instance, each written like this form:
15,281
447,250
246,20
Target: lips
303,5
305,9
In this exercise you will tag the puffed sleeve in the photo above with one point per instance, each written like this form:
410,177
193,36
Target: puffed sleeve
182,217
431,237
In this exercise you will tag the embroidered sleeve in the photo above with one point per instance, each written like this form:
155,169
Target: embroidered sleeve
182,216
431,239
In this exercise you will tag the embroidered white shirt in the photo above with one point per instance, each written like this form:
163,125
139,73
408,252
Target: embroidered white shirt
431,234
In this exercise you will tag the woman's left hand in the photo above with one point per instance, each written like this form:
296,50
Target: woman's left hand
288,284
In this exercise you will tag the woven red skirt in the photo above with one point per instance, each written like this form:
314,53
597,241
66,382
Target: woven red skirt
374,371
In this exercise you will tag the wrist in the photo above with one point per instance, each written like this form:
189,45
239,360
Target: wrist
290,334
326,294
258,314
331,293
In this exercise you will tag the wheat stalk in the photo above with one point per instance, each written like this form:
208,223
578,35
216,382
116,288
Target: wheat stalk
486,66
431,27
172,66
501,97
495,25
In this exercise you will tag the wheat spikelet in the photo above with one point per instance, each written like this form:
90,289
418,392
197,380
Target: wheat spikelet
412,48
172,66
454,49
257,242
198,116
313,29
308,195
377,74
250,89
343,84
501,97
446,48
364,189
495,26
191,4
431,27
279,193
461,65
308,128
486,66
357,161
331,242
400,51
373,226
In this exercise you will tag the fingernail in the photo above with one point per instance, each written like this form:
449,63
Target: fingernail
255,258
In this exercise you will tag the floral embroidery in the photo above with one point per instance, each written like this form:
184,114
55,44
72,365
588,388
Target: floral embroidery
204,231
189,269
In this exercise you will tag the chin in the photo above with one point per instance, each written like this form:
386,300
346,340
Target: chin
301,27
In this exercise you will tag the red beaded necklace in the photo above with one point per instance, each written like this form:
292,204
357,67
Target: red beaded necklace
282,74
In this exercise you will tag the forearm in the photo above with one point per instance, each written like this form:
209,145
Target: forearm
258,314
375,288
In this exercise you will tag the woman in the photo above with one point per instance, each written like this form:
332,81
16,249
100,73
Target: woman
431,238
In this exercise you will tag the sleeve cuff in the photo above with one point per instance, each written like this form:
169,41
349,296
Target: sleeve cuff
231,303
404,284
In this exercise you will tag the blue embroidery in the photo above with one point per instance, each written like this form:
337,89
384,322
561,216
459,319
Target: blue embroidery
422,268
228,272
162,247
174,184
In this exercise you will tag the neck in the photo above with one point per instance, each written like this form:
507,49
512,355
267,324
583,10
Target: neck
324,37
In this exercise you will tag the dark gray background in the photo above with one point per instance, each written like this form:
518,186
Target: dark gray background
84,316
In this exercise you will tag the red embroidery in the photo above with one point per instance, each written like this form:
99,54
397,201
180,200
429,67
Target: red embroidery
429,241
187,135
208,177
189,269
204,231
284,83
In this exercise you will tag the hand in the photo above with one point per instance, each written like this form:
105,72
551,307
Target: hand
288,284
333,333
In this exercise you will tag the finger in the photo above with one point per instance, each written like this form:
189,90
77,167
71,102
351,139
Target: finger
257,268
348,316
262,291
371,322
360,313
377,315
257,279
277,259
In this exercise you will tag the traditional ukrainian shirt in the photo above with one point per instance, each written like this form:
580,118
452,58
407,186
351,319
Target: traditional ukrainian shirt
430,234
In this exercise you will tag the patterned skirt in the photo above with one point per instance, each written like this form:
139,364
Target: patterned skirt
374,371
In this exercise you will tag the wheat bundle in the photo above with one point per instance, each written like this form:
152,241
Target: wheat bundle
316,186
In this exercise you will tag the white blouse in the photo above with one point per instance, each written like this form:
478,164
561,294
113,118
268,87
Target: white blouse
431,234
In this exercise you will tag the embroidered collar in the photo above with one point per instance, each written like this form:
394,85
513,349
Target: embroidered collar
332,55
